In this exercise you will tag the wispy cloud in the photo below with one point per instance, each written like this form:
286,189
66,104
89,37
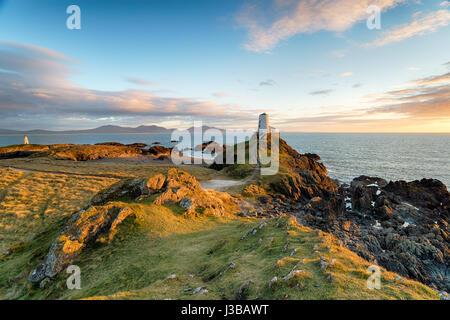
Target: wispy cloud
321,92
34,86
436,79
285,19
421,25
420,102
339,53
141,82
346,74
268,82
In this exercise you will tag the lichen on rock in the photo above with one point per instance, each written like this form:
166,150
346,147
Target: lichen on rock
80,230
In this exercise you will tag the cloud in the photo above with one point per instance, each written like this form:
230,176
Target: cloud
321,92
436,79
268,82
346,74
445,4
419,26
356,85
339,53
422,98
141,82
34,87
420,103
285,19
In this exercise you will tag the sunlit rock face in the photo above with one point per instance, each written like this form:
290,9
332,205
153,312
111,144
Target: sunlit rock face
81,229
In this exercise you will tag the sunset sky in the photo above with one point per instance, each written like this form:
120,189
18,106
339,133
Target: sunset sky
312,65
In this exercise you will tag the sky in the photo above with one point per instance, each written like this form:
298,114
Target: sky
313,66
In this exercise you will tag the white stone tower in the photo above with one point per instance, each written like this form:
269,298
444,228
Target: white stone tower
263,126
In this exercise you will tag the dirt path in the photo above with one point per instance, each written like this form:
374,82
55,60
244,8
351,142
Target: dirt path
220,185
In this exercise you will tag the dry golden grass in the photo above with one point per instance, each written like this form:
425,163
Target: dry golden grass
32,201
51,189
117,168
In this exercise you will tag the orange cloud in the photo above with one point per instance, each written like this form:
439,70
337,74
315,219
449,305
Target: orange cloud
303,16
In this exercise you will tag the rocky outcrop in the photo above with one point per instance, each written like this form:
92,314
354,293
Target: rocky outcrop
210,147
23,151
104,150
131,188
182,188
93,152
80,230
101,219
176,187
402,226
158,151
305,178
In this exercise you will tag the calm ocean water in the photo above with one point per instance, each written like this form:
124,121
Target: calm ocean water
346,155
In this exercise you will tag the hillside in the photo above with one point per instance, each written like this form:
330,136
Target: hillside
161,251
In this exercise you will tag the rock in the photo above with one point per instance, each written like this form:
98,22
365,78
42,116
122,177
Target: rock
243,292
44,283
155,183
132,188
200,290
159,150
273,282
253,191
92,152
444,295
185,203
172,276
323,264
116,144
80,230
137,145
184,189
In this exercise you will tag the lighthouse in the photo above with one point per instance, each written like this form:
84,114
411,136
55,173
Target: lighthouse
263,126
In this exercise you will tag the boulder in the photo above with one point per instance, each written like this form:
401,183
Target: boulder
80,230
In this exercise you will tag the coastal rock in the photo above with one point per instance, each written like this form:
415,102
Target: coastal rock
158,151
403,226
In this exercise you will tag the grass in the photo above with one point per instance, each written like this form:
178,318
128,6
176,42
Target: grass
118,168
32,201
161,242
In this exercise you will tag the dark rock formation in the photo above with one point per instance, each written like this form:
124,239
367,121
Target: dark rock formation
402,226
115,144
159,150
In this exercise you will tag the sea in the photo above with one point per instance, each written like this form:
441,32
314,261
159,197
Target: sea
346,155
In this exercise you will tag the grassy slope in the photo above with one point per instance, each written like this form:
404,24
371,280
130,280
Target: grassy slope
30,201
162,242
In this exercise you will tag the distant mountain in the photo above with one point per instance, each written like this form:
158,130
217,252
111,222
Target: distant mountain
103,129
5,131
203,129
